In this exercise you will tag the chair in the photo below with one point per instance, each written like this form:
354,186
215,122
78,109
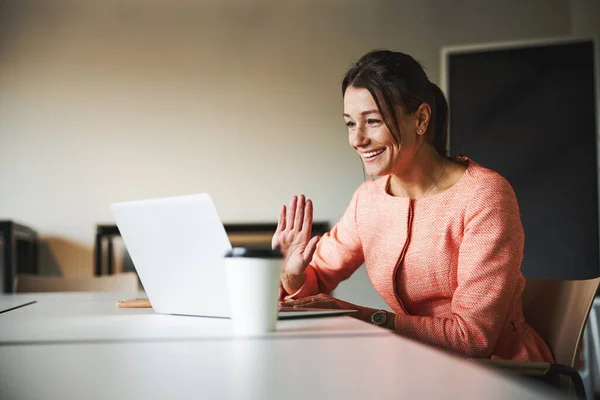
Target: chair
558,311
19,247
125,282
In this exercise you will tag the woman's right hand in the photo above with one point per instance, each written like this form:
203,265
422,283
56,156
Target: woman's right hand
293,236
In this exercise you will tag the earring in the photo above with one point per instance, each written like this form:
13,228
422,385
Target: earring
420,130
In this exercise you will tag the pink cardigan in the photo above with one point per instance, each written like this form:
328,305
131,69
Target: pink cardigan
448,265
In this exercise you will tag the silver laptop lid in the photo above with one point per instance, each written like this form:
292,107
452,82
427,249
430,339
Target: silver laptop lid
177,245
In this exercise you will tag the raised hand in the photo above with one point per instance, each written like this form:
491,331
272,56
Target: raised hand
293,237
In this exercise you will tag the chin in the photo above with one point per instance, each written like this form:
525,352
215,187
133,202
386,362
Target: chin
375,172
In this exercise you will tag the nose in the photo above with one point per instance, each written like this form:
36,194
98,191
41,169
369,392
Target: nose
358,137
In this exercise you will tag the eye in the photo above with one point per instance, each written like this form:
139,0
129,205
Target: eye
350,124
373,121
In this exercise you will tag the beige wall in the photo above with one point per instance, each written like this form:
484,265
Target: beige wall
103,101
585,18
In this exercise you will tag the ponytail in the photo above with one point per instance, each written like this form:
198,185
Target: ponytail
440,122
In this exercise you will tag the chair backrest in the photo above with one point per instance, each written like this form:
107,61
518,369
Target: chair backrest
558,311
28,283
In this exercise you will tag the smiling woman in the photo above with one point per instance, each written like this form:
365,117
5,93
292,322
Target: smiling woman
441,237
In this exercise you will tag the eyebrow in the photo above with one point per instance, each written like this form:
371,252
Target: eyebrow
364,113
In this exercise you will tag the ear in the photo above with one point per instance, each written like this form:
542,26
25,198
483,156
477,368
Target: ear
423,115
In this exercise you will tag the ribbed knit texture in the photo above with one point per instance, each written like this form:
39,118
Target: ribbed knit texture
448,264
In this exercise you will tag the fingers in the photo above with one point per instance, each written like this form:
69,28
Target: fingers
299,217
280,228
281,221
309,251
292,213
317,301
308,218
303,302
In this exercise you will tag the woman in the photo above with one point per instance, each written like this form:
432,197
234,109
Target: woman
441,238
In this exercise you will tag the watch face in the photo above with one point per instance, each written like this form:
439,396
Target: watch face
379,317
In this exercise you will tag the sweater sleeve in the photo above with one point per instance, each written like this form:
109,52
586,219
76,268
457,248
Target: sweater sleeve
488,271
339,253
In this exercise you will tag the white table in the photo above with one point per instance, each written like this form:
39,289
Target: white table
12,302
105,352
94,317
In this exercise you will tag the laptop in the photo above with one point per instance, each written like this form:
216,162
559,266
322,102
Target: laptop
177,245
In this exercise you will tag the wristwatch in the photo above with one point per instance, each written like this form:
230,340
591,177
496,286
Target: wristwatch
379,317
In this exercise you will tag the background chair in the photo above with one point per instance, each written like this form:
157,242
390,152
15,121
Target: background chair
558,311
125,282
242,234
19,248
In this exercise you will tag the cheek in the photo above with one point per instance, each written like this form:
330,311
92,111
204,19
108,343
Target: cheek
388,137
388,140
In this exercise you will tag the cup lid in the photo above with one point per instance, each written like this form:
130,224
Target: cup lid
253,252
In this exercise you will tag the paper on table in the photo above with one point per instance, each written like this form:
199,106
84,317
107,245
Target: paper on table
134,303
285,312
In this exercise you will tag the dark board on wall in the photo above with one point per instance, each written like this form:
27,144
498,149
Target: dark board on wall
529,113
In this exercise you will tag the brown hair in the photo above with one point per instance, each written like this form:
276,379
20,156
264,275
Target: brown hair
397,79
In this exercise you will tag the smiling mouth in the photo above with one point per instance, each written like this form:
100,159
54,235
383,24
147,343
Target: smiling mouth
372,154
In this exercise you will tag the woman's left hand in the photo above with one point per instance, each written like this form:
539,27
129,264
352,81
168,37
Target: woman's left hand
320,300
326,301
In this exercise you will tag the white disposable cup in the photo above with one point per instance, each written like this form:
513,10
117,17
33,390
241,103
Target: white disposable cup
253,285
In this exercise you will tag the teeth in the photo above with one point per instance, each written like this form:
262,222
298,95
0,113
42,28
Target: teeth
373,153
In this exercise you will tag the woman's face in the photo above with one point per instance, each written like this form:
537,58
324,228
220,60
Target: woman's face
371,138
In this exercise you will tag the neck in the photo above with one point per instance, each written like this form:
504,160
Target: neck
419,176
